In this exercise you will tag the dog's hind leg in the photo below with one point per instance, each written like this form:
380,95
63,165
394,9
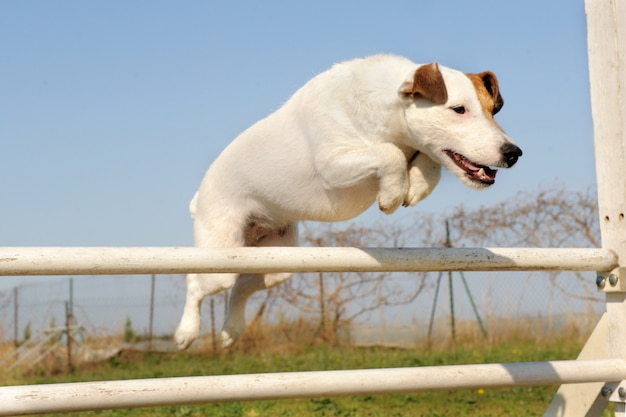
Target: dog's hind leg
248,284
227,234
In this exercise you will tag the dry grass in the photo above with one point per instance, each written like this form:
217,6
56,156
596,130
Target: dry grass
292,337
294,348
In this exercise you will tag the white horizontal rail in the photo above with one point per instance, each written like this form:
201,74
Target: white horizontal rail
82,396
164,260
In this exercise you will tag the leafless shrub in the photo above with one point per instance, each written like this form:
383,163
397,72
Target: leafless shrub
340,298
552,217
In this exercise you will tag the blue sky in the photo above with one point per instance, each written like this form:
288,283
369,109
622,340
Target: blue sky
110,112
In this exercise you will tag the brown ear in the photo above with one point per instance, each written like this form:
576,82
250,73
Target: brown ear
490,82
427,82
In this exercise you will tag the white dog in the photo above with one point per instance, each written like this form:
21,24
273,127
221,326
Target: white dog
373,129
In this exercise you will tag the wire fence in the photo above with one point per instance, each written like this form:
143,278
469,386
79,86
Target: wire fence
553,217
144,306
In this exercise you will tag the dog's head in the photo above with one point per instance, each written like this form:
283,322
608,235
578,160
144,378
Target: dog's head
449,116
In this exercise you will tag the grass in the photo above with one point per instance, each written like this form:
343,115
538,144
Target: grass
527,401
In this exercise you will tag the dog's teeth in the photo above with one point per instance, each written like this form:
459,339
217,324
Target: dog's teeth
481,173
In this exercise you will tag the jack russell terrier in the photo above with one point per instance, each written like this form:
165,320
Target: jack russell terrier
372,129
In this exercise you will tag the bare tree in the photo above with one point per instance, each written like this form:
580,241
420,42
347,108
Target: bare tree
337,299
552,217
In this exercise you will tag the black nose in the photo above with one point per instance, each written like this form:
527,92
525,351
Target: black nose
511,153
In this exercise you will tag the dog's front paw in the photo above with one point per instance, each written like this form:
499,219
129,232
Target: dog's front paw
417,192
388,205
392,194
424,174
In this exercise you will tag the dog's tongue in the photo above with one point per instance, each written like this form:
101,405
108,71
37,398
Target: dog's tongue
478,172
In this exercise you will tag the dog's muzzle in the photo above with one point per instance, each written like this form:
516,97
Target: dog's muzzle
511,154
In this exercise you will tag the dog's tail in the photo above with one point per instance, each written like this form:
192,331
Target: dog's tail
193,205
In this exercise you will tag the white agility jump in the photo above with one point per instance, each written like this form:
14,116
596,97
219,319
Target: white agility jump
81,396
19,400
151,260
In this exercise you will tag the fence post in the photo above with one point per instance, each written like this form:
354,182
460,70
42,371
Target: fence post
16,336
151,317
69,321
606,43
213,336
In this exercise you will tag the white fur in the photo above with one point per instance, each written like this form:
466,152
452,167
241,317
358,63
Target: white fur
341,142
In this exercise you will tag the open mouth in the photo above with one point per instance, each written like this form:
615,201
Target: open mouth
475,172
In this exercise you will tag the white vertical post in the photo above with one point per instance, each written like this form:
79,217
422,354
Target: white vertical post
606,43
607,71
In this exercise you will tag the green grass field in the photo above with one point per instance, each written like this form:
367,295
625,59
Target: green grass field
528,401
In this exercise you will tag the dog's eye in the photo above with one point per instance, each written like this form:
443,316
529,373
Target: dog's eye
459,109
